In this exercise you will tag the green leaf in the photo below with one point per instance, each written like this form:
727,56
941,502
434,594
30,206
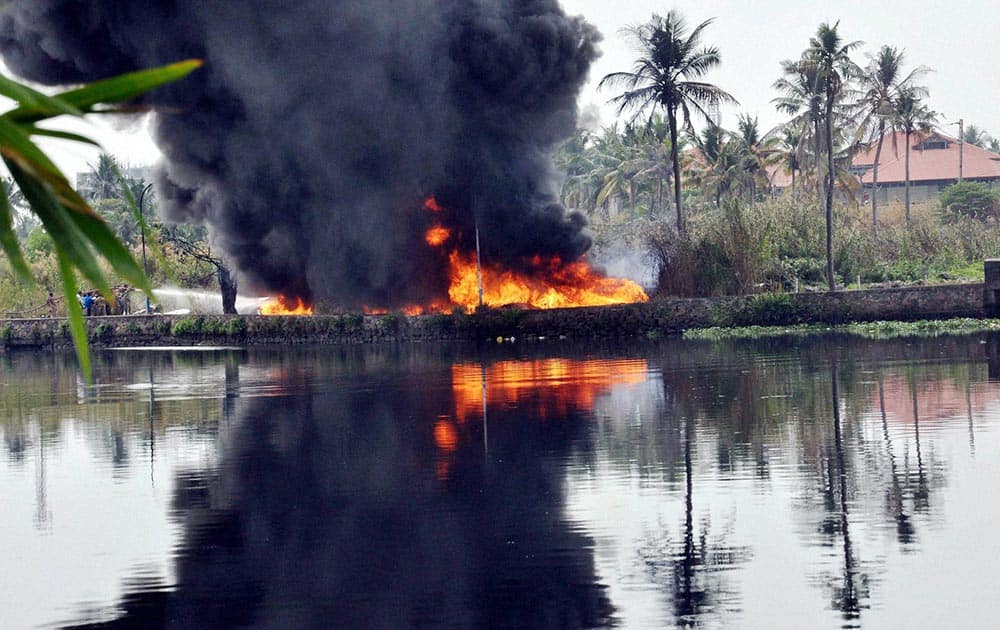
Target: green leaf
8,240
16,145
33,130
60,224
105,241
114,90
29,97
77,329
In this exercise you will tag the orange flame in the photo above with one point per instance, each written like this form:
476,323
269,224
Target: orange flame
553,385
549,283
556,285
285,305
437,235
550,387
431,204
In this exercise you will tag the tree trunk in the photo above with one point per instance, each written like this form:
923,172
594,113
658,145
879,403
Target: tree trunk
906,179
829,193
819,164
793,182
672,119
228,286
878,155
657,198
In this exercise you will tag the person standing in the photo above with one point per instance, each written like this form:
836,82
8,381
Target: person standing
88,301
51,303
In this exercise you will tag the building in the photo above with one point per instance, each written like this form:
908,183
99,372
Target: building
934,165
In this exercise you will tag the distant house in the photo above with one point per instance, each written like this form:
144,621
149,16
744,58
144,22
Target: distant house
933,166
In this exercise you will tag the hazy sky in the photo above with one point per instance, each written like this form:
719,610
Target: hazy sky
959,40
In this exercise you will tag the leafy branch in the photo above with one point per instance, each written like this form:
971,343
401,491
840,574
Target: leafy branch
79,235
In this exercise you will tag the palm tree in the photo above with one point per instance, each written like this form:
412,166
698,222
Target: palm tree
910,114
787,149
881,83
22,219
803,100
104,179
716,169
834,68
667,75
653,163
977,136
755,153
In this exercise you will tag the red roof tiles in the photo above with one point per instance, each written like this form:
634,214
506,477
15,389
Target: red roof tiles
927,164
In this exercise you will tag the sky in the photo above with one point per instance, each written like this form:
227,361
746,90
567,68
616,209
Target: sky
959,40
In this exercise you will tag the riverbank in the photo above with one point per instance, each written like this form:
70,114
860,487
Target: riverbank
658,318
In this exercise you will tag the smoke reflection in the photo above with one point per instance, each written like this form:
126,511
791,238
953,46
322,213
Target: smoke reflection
330,509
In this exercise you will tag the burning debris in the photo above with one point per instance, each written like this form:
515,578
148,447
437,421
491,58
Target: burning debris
311,138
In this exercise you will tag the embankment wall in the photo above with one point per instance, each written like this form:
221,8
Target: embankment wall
655,318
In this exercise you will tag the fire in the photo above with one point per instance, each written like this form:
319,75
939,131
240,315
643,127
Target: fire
431,204
285,305
556,285
554,385
437,235
547,283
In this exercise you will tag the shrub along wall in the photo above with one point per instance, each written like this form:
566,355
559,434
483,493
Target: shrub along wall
659,317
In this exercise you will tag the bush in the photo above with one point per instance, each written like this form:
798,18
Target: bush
726,251
969,199
767,309
213,327
187,327
236,327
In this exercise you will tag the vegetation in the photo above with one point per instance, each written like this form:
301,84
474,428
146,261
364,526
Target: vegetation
739,233
867,330
970,199
79,237
668,76
882,84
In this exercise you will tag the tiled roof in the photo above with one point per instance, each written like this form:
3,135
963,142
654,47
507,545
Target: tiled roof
927,164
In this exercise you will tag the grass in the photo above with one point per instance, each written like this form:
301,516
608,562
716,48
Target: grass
866,330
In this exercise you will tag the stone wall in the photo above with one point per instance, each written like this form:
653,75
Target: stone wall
659,317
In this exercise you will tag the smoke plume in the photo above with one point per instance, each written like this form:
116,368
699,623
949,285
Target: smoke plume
316,130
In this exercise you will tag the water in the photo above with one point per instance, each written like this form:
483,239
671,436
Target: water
643,486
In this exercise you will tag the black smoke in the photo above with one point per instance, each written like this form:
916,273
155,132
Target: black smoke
316,129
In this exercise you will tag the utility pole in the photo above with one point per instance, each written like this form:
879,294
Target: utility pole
961,145
142,230
479,267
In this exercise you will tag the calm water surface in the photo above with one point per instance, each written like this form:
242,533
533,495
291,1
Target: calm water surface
818,483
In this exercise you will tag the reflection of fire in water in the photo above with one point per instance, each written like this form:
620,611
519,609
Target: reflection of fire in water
286,306
550,388
554,385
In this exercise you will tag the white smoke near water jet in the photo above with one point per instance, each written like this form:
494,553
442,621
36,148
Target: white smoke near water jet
315,131
173,300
